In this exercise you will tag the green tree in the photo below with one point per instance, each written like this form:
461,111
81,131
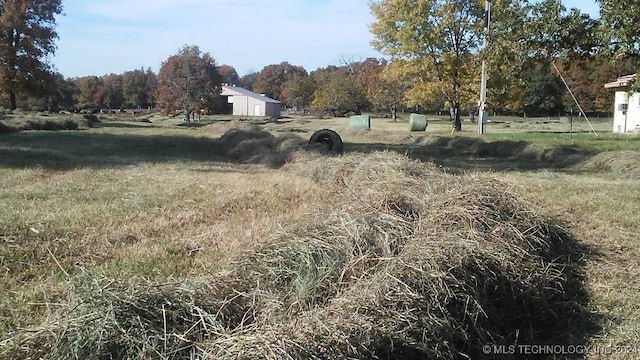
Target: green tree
299,92
621,26
621,31
27,38
437,40
543,95
248,80
537,34
63,92
111,92
138,87
188,81
337,92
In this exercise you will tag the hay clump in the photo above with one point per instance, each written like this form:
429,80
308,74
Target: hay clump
254,146
624,164
379,171
476,267
136,319
394,269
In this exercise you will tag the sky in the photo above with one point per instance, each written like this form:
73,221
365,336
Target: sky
100,37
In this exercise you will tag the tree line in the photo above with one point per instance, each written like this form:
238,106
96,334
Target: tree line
369,85
432,53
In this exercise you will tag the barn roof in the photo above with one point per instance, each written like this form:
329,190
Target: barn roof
230,90
621,82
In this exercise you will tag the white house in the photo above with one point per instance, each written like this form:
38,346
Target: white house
626,116
249,103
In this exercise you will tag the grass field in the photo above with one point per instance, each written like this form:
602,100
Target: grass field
137,216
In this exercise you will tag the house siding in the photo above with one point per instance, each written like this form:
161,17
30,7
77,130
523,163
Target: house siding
626,121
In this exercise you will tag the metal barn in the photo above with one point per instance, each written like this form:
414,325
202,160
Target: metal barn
249,103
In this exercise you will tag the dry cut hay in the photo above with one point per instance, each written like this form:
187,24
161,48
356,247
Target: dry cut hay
624,164
473,266
409,263
386,171
379,135
254,146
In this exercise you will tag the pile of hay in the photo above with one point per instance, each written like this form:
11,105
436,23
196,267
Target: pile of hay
250,145
410,263
43,123
624,164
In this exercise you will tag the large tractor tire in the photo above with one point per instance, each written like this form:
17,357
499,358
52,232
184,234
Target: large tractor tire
329,138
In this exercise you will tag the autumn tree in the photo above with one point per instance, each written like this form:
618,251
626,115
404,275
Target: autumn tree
87,90
229,74
272,78
27,38
532,35
437,39
188,81
381,84
54,93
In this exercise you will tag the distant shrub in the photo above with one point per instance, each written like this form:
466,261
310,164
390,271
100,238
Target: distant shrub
91,119
69,125
4,129
51,125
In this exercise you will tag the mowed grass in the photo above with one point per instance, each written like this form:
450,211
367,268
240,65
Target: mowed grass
167,203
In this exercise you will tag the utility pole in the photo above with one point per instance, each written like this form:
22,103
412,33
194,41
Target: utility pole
482,116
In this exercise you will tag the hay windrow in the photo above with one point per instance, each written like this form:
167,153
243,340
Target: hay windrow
411,263
624,164
455,285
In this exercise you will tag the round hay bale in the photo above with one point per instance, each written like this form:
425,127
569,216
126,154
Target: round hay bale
417,122
330,138
360,122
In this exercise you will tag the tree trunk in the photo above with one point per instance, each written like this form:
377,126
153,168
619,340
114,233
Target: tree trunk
457,124
12,100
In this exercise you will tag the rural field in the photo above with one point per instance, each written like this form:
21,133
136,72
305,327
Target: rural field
230,238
